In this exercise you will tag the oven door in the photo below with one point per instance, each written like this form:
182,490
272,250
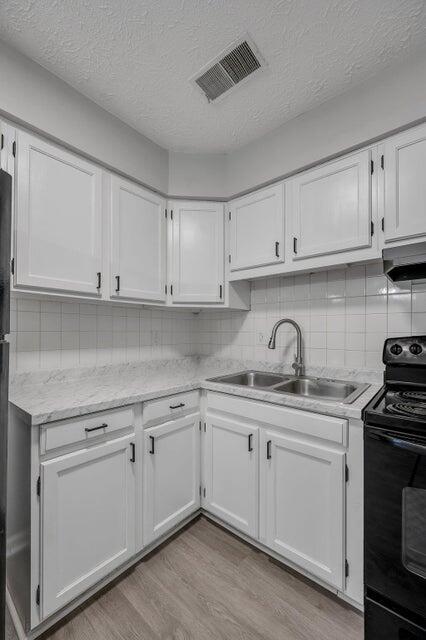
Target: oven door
395,517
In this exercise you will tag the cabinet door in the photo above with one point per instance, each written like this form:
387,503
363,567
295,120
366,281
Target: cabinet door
87,519
58,218
197,252
405,184
172,475
231,473
331,207
257,229
138,242
304,505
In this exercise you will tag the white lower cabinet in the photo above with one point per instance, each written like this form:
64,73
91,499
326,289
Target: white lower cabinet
231,463
87,519
303,488
171,487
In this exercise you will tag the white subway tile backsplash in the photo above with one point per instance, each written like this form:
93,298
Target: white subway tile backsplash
345,315
345,318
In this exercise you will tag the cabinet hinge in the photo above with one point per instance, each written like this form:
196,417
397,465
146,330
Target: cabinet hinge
12,266
171,289
383,224
38,486
372,228
346,568
346,473
372,166
229,258
37,597
382,161
14,149
171,214
229,216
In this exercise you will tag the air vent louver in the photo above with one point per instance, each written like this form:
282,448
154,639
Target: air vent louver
231,69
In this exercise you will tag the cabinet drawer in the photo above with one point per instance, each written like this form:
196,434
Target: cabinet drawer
85,428
170,406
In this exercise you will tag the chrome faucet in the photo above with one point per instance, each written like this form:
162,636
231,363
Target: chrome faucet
297,365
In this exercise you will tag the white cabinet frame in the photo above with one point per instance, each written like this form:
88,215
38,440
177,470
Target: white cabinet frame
150,251
25,229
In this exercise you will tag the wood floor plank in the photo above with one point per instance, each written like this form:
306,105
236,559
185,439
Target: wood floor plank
207,584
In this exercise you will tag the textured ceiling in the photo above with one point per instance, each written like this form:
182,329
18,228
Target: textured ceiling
135,57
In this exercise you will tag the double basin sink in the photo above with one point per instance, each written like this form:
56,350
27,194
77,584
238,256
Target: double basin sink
305,386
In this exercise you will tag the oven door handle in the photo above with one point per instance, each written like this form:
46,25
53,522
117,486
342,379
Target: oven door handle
407,445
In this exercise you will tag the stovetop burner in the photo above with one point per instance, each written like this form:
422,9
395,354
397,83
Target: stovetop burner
417,396
417,409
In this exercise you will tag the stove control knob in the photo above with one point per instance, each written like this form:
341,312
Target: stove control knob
416,348
396,349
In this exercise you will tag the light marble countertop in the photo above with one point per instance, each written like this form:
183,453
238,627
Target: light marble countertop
42,397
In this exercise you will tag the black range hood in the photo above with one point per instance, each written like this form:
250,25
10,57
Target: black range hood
407,262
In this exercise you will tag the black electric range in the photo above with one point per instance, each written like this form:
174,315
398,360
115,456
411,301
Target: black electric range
395,496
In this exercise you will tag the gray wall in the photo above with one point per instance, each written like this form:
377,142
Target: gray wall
35,97
197,175
391,100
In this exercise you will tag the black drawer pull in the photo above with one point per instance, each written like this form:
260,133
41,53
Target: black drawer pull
250,442
177,406
101,426
99,285
152,450
268,450
277,249
133,448
117,288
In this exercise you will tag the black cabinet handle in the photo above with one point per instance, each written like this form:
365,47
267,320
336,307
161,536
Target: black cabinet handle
117,287
294,245
99,274
250,442
220,291
176,406
277,249
152,450
133,449
268,450
101,426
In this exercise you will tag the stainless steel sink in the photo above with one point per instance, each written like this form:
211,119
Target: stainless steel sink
319,388
309,387
252,379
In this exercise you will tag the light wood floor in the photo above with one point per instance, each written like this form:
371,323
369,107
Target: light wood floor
206,584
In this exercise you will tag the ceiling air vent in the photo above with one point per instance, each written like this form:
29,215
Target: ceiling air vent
234,65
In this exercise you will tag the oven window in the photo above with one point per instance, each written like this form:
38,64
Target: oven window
414,530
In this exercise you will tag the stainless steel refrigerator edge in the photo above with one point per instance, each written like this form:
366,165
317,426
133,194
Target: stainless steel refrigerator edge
5,231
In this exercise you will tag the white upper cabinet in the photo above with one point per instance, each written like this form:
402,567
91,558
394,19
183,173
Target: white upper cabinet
171,475
304,489
257,229
87,519
405,184
231,472
138,242
58,225
330,207
197,252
